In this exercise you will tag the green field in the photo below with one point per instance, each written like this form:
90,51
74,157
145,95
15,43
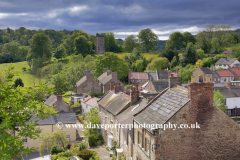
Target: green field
26,77
146,55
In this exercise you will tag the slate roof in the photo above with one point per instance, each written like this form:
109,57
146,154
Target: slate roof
236,91
104,75
106,79
164,106
225,61
152,75
206,70
162,74
51,100
236,70
83,79
216,75
224,73
92,101
138,75
114,102
63,117
228,93
160,85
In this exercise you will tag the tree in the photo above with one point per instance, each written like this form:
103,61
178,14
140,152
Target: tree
16,108
111,44
199,63
148,38
201,54
60,81
175,61
130,43
40,50
60,52
160,63
50,139
83,46
169,53
190,54
12,49
186,72
18,82
176,41
222,35
111,61
188,37
219,100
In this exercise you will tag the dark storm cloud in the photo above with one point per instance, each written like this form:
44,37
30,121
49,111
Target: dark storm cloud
122,17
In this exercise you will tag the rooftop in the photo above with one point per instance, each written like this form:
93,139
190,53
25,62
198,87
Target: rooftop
225,61
236,70
224,73
92,101
138,75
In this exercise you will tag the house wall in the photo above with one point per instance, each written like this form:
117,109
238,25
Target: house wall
199,72
138,81
86,108
149,87
232,102
106,87
35,143
89,85
226,79
234,63
140,148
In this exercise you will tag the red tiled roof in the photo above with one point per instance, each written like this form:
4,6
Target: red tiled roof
224,73
91,101
236,70
138,75
227,52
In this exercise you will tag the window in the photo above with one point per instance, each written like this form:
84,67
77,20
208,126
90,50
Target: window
68,137
111,117
105,113
24,140
64,128
147,145
111,126
140,138
100,109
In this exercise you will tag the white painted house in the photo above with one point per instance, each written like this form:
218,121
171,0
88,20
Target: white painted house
89,103
226,62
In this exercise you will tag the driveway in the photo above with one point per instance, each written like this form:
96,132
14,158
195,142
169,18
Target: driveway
35,156
102,152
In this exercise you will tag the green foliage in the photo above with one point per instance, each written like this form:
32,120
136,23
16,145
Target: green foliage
24,68
107,148
82,146
83,46
176,41
174,62
219,99
160,63
60,52
114,148
207,62
201,54
128,86
129,43
18,82
111,44
190,54
14,112
50,139
85,154
148,38
186,72
55,149
111,61
66,155
169,53
40,50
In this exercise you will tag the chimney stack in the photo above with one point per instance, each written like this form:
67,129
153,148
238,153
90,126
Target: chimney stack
133,95
201,94
109,71
117,87
105,70
174,81
59,97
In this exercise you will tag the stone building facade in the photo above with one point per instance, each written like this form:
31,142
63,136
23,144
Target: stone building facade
100,44
88,84
106,78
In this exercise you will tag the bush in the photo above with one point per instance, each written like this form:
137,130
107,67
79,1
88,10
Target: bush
18,82
85,154
82,146
68,146
95,139
63,156
24,68
56,149
74,149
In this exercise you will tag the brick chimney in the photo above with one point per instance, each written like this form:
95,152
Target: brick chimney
117,87
105,70
133,95
114,75
174,81
59,97
112,85
201,94
88,74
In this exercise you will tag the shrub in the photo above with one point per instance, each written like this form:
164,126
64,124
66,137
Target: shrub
68,146
74,149
63,155
56,149
24,68
95,139
82,146
85,154
107,148
18,82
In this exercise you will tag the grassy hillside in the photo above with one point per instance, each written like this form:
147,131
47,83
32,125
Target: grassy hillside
26,77
146,55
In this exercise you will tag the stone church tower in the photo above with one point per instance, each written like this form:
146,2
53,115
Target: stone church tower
100,44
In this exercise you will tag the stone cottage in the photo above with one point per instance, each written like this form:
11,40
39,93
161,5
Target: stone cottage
87,84
58,103
106,78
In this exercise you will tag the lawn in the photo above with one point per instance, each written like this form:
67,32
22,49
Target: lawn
26,77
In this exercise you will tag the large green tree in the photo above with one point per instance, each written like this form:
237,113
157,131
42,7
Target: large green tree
190,54
40,50
148,38
160,63
111,61
83,46
60,52
176,41
130,43
16,108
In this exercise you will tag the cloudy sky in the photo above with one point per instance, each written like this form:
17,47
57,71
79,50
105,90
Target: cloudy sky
123,17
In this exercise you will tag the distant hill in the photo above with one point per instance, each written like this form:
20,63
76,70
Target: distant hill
160,45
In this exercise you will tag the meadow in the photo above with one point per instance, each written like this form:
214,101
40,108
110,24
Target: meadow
146,55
